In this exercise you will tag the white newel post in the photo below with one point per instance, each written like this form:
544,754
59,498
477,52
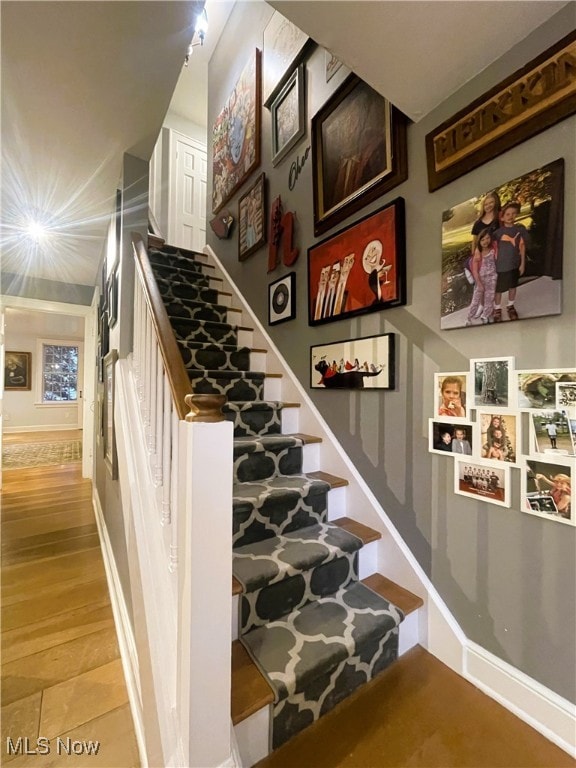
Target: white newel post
205,594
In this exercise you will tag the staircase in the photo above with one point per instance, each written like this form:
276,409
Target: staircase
310,629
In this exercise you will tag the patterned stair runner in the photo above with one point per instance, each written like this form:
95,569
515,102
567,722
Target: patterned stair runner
314,630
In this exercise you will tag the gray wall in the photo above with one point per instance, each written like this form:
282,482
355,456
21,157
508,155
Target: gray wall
508,578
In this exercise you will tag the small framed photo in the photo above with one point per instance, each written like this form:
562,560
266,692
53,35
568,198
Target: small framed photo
288,116
366,363
451,396
17,369
484,480
492,381
551,433
452,439
537,388
282,299
499,436
547,489
252,219
110,456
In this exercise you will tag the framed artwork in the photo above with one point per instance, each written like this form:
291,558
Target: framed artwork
565,394
360,269
522,221
492,379
366,363
284,46
451,396
547,489
288,116
236,136
331,65
499,438
482,480
552,433
112,301
358,152
451,439
110,458
282,299
537,388
252,218
17,371
485,129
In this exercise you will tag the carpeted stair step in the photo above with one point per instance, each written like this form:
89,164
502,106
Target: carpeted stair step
281,574
196,310
260,417
235,385
162,257
187,329
317,655
180,274
224,357
277,506
260,458
170,290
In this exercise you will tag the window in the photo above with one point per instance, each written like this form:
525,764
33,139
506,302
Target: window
59,372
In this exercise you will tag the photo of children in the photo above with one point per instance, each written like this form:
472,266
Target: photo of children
450,438
502,252
499,436
486,481
552,433
547,489
451,389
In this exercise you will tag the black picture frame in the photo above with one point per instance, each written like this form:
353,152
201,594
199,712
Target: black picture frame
359,152
17,371
282,299
360,269
364,363
288,113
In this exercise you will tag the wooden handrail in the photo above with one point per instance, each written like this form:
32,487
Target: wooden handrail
173,363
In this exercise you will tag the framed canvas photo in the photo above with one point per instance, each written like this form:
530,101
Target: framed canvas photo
552,433
288,116
493,382
482,480
358,152
499,436
252,219
360,269
451,396
110,457
452,439
502,252
17,371
282,299
547,489
366,363
537,388
236,136
284,46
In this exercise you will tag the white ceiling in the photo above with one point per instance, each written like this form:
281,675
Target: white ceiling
84,81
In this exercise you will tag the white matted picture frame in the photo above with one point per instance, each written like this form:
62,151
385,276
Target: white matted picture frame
288,113
487,481
492,383
551,434
547,489
282,299
536,388
499,436
452,439
451,394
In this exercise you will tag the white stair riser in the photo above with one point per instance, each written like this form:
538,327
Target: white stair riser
273,388
258,361
290,420
252,737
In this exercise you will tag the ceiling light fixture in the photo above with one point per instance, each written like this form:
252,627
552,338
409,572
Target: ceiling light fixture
200,29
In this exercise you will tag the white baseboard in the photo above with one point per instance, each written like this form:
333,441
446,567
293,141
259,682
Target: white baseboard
42,428
126,640
545,711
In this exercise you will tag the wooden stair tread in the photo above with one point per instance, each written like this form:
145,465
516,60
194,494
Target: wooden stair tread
360,530
332,480
394,593
236,587
306,439
250,689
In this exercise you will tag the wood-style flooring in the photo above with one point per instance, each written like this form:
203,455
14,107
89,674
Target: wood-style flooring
62,683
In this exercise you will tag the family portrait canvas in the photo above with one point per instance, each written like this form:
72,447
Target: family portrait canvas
486,481
537,389
452,439
502,252
547,489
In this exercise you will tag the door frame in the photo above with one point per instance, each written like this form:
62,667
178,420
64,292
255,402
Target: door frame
174,137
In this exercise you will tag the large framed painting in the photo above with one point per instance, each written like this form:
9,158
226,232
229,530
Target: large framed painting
502,252
366,363
360,269
284,46
17,367
236,136
358,152
252,219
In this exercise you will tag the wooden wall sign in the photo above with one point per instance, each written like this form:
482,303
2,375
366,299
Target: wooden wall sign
281,235
532,99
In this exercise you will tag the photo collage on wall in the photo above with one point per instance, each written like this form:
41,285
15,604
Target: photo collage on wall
493,419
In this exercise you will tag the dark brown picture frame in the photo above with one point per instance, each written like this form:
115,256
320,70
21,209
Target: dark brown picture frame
252,219
356,128
360,269
17,371
534,98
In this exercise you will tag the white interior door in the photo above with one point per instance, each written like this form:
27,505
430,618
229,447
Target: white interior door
188,198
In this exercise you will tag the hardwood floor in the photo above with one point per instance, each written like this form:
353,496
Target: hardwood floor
62,678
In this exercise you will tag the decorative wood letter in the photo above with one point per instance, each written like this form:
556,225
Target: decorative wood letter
282,232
